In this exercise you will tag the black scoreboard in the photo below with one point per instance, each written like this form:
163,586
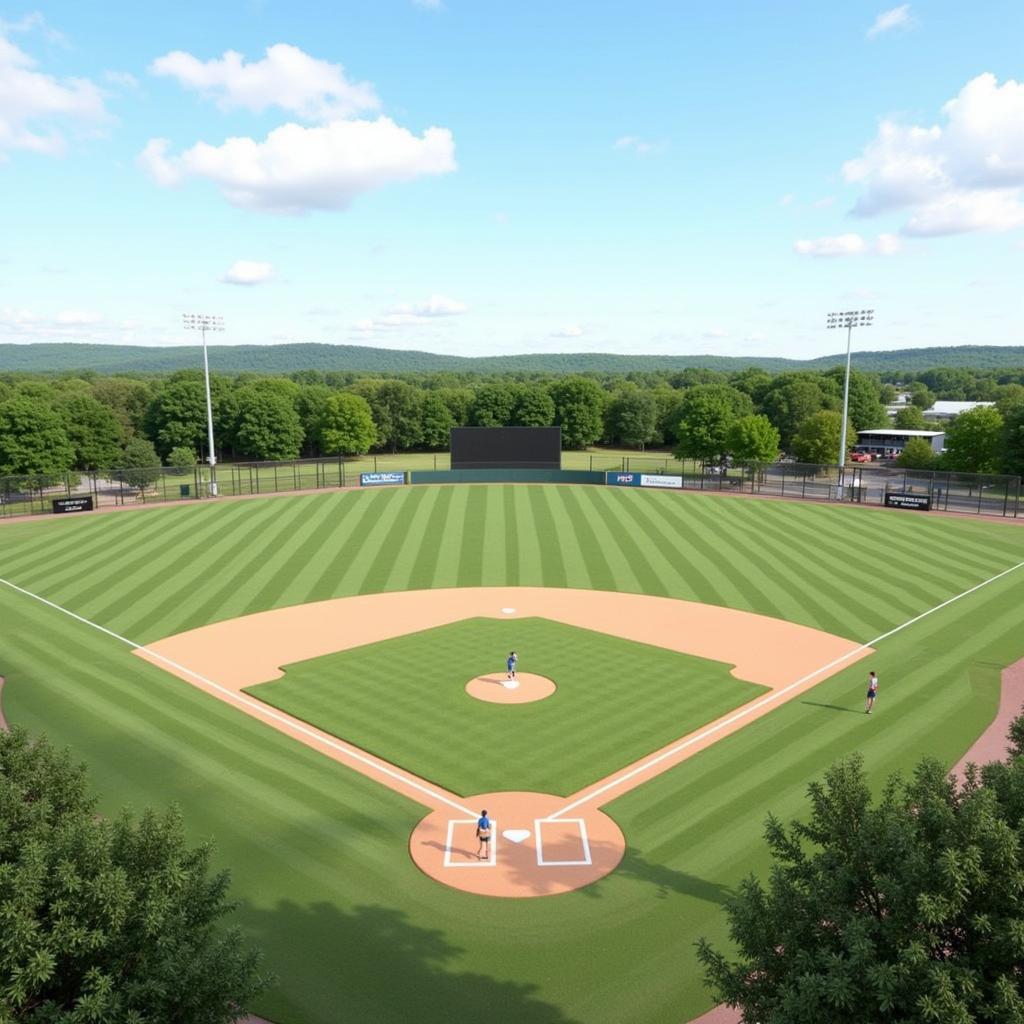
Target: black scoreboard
506,447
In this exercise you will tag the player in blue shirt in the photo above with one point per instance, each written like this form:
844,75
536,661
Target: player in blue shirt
513,660
483,833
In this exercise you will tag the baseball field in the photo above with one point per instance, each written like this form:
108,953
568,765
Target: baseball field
295,673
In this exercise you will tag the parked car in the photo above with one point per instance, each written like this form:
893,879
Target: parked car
860,456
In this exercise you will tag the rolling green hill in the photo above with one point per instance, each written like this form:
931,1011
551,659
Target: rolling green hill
66,357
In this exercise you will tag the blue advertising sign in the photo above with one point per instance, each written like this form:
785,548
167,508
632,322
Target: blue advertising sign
622,479
380,479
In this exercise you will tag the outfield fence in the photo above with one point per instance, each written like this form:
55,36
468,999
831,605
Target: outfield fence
969,493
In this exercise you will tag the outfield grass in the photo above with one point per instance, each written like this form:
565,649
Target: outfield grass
405,700
319,853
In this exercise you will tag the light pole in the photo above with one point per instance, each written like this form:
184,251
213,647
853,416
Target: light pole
203,322
849,319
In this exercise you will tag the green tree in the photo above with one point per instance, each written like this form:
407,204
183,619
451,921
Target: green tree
910,417
139,465
753,439
33,440
436,422
1013,439
112,920
793,399
176,415
459,402
94,431
632,417
267,424
921,395
579,410
907,909
311,405
181,459
346,426
533,406
126,398
708,411
395,405
493,404
975,442
817,440
917,454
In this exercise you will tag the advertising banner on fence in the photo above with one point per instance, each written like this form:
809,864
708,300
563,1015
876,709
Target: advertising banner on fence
80,504
380,479
898,499
643,480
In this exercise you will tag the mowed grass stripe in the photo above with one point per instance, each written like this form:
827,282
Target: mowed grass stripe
449,543
772,569
375,527
360,513
424,566
623,578
868,595
231,573
471,553
384,552
578,504
285,571
415,539
694,568
492,563
567,538
531,568
552,565
179,550
511,545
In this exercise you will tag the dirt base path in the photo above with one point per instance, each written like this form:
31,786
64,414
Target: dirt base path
992,744
548,844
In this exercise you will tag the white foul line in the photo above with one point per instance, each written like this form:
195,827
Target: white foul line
257,707
767,699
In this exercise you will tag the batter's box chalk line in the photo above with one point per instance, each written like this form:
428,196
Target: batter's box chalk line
476,863
538,824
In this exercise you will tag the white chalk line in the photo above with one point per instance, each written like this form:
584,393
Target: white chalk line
749,709
257,707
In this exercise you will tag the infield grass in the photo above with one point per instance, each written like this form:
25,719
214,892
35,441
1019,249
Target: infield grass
405,700
319,854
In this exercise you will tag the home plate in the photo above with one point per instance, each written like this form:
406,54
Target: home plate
516,835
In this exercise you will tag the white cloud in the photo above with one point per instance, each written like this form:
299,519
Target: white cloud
836,245
716,333
297,169
286,77
248,273
428,5
34,22
78,317
80,324
33,104
897,17
848,245
824,203
121,79
638,145
888,245
966,174
413,314
787,199
568,331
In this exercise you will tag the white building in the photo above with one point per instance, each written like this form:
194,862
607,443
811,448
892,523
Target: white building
948,410
887,442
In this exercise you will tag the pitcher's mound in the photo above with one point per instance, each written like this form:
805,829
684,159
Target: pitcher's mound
495,688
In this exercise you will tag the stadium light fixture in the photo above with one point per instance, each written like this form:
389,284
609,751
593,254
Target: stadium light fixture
849,319
204,322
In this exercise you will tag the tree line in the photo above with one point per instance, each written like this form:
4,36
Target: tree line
49,425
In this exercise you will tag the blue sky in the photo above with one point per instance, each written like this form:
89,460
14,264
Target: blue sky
476,177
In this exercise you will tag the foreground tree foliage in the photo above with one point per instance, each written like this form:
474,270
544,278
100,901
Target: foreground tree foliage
107,921
907,910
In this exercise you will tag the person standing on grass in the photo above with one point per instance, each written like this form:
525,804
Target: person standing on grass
483,833
872,691
513,660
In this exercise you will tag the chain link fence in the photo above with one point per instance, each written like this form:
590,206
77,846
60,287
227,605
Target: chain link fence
977,494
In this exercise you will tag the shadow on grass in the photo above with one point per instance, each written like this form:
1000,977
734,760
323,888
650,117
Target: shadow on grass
373,964
831,707
668,880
